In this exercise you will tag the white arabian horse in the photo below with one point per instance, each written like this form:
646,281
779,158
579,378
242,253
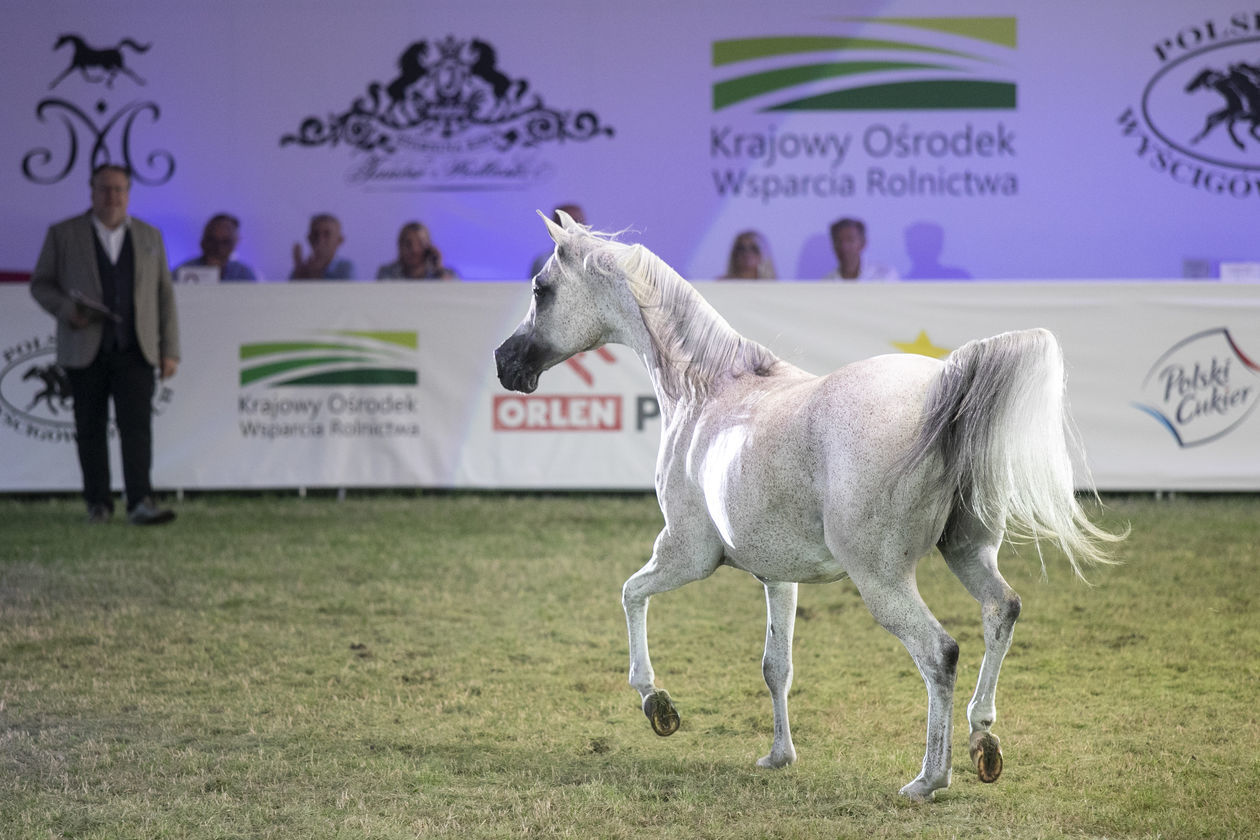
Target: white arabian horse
796,478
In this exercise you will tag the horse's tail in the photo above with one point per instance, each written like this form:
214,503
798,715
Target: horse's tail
996,418
140,48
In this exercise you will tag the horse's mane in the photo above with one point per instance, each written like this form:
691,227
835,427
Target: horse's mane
694,345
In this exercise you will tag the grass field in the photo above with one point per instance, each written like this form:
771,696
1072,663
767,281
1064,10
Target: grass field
454,665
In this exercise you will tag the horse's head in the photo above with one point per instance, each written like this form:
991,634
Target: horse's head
1206,78
576,305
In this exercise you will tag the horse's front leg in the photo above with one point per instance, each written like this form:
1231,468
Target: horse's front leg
668,569
776,667
1214,119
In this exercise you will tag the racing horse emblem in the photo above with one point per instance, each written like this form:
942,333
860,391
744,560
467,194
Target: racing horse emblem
56,387
109,61
1241,89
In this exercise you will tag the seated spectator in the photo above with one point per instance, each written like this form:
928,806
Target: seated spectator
418,257
579,216
749,259
324,238
218,243
848,239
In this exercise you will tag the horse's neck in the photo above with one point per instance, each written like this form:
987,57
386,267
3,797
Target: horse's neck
691,345
634,334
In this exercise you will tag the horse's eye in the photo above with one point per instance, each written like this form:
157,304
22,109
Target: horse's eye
541,293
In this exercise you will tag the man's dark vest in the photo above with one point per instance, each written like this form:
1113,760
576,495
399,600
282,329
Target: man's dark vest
118,282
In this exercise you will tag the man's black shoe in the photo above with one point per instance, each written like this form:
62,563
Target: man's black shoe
99,514
147,513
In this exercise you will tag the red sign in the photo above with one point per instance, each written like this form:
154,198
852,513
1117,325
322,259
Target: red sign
567,413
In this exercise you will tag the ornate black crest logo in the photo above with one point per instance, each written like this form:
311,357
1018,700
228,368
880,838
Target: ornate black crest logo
107,137
450,118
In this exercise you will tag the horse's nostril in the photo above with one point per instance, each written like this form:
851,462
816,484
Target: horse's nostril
501,358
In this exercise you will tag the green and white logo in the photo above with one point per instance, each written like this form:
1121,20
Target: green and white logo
942,63
335,357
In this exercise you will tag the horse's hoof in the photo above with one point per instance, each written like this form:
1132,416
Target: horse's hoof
986,755
918,791
661,712
775,762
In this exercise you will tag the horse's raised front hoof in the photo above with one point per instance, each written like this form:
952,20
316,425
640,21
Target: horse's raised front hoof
986,755
661,712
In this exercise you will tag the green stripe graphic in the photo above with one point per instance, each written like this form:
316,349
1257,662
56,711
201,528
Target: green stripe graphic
962,82
746,49
275,348
253,374
899,96
358,376
362,357
407,339
756,84
996,30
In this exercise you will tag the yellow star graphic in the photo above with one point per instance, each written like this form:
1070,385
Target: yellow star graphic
923,346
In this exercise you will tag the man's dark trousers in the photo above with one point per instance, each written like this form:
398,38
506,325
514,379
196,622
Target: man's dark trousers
128,378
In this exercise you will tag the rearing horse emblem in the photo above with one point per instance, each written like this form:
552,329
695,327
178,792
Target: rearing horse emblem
1241,88
108,61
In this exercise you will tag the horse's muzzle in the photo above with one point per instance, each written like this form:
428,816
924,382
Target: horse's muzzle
519,363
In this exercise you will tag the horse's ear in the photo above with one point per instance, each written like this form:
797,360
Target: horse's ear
557,232
566,221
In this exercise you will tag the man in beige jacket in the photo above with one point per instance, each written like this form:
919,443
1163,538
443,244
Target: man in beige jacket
104,276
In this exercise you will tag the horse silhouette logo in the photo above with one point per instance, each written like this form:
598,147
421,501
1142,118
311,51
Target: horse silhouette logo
1240,86
109,62
56,388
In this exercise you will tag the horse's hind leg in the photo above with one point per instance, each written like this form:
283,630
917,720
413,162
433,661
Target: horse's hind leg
776,667
895,603
971,552
661,574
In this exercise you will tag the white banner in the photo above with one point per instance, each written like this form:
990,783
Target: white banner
393,385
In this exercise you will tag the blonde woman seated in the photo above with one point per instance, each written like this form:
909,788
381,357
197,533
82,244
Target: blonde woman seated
750,258
418,257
